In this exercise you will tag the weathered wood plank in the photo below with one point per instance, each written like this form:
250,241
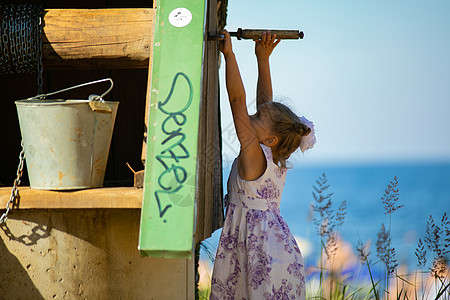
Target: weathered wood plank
123,198
209,161
97,38
147,99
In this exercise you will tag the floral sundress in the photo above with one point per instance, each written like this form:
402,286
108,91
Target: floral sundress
257,256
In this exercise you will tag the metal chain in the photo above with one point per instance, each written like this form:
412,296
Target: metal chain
14,190
20,31
40,68
20,53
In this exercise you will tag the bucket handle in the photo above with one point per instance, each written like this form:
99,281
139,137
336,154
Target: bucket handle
91,97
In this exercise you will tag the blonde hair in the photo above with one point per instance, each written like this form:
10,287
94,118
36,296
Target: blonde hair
288,128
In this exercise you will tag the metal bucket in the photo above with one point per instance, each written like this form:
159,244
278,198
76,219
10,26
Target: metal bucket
66,142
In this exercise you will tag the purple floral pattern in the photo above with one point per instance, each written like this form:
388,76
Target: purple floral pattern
257,256
283,293
254,218
269,190
280,172
296,270
229,241
258,268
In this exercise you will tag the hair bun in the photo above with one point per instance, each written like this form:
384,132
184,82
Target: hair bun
301,128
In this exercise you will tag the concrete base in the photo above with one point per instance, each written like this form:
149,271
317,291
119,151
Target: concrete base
85,254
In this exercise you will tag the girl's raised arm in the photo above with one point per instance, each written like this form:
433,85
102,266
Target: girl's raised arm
235,87
263,50
252,162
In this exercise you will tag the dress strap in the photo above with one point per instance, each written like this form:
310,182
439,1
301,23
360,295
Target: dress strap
267,153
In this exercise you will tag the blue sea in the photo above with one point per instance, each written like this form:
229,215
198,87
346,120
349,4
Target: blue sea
424,190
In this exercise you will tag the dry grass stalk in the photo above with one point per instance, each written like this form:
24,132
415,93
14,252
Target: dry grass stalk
327,221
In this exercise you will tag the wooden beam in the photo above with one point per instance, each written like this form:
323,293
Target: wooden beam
97,38
209,158
123,198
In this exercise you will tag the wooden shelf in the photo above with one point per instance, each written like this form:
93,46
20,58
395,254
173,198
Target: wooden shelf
119,197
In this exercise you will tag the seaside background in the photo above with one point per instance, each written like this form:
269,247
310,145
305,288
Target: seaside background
424,190
374,77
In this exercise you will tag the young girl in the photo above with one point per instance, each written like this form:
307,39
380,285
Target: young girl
257,257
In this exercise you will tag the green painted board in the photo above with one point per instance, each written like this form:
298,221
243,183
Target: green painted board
168,209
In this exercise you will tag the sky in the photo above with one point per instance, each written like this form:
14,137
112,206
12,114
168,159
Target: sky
373,76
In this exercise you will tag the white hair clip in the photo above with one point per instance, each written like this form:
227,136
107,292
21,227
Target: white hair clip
309,140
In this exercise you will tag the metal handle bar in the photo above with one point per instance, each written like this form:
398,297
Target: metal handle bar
256,34
43,96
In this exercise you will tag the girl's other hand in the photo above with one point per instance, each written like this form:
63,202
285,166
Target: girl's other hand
265,45
225,45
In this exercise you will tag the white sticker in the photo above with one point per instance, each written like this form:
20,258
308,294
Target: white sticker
180,17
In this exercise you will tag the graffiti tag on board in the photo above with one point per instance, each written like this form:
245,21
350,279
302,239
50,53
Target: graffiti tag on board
174,176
